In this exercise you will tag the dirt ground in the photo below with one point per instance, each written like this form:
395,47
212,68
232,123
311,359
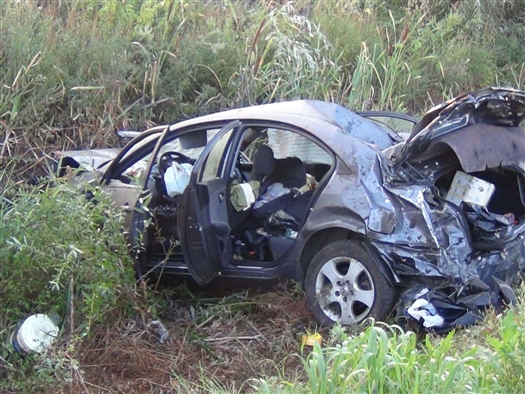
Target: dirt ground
222,335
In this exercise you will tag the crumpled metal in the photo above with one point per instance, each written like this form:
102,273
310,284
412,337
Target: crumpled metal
454,262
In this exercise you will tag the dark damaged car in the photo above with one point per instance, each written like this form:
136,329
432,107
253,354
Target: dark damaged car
433,223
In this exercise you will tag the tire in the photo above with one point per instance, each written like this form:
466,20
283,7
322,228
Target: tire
344,285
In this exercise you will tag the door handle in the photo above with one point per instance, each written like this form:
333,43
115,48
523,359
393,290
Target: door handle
221,197
126,208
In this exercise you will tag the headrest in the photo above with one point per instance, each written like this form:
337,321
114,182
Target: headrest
263,161
290,172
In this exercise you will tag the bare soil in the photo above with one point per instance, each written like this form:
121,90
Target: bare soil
219,336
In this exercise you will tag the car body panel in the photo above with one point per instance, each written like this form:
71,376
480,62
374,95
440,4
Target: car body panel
481,128
480,146
91,159
291,112
310,115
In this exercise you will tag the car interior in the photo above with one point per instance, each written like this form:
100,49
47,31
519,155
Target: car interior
285,169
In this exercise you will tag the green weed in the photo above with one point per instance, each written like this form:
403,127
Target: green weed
385,359
60,245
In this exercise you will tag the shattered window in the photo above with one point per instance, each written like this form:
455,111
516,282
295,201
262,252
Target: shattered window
288,144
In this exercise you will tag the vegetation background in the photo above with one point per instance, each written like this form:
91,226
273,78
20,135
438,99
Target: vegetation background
74,71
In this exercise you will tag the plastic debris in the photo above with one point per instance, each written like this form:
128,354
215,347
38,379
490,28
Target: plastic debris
273,192
280,221
159,330
311,340
422,309
291,234
35,334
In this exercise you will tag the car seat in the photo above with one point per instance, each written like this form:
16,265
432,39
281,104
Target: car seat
263,164
289,171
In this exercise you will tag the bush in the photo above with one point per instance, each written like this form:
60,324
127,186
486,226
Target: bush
57,246
64,256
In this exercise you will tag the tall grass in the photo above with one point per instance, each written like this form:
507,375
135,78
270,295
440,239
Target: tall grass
289,58
73,71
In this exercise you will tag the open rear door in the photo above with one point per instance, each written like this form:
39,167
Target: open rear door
202,216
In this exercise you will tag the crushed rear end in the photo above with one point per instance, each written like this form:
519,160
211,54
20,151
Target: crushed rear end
458,188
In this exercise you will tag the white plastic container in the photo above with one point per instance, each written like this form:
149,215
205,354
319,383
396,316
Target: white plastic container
35,334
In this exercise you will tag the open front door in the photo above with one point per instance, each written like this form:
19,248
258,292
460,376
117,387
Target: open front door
125,179
202,216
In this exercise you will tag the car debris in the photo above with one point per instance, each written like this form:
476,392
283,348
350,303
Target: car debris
159,330
474,231
311,339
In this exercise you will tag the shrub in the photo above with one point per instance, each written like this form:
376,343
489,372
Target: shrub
57,250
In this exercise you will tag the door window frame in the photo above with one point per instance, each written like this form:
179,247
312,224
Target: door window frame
123,161
237,139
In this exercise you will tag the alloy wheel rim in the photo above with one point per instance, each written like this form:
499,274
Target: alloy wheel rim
344,290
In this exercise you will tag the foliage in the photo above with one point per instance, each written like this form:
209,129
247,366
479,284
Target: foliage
72,67
60,246
383,358
64,256
289,58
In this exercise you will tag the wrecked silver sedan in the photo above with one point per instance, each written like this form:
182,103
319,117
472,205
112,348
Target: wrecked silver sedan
338,201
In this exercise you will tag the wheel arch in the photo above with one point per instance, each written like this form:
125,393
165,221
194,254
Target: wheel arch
328,235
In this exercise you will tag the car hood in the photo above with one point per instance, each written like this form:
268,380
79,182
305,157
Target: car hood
90,160
492,116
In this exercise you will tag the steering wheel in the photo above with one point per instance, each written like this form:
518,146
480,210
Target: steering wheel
167,159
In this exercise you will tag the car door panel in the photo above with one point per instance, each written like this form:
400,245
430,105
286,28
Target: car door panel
124,197
203,214
206,239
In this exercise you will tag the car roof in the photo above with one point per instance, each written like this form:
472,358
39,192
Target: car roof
322,119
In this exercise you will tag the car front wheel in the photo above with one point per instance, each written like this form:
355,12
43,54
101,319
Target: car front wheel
344,285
